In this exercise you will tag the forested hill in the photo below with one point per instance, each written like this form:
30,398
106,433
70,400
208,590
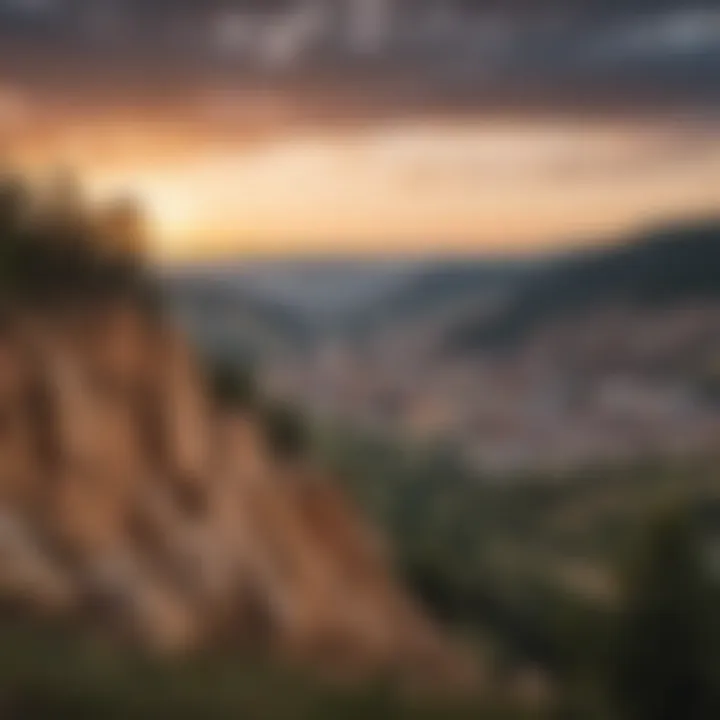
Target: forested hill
679,263
439,286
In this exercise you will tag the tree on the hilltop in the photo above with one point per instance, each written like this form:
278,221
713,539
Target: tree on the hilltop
53,244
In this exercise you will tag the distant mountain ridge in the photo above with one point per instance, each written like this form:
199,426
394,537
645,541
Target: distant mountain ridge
226,319
297,301
439,286
678,263
472,302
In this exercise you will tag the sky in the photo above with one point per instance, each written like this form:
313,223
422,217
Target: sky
301,126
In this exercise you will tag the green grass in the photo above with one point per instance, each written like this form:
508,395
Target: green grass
48,672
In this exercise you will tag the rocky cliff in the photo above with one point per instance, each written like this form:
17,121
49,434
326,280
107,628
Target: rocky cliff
129,500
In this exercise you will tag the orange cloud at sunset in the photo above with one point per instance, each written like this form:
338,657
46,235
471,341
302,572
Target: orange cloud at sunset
477,186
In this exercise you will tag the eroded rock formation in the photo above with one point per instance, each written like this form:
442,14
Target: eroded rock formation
128,499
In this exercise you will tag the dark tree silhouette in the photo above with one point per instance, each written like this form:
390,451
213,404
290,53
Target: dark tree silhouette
665,652
55,247
286,431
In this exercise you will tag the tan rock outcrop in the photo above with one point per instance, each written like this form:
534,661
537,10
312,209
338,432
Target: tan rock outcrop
125,495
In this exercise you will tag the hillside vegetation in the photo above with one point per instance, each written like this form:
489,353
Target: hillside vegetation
541,569
677,264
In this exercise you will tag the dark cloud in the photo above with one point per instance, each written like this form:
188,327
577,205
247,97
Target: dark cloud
339,59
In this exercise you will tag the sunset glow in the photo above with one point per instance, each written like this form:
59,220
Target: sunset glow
485,186
388,126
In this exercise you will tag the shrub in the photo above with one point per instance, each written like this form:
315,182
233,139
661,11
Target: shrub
286,430
233,386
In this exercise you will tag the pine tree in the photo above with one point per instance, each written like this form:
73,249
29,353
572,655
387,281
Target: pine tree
665,657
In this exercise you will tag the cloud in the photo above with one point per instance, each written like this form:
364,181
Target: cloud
689,31
14,109
357,59
30,6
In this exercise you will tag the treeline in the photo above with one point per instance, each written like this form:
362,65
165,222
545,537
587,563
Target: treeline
55,246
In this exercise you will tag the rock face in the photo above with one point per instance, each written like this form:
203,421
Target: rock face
128,499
